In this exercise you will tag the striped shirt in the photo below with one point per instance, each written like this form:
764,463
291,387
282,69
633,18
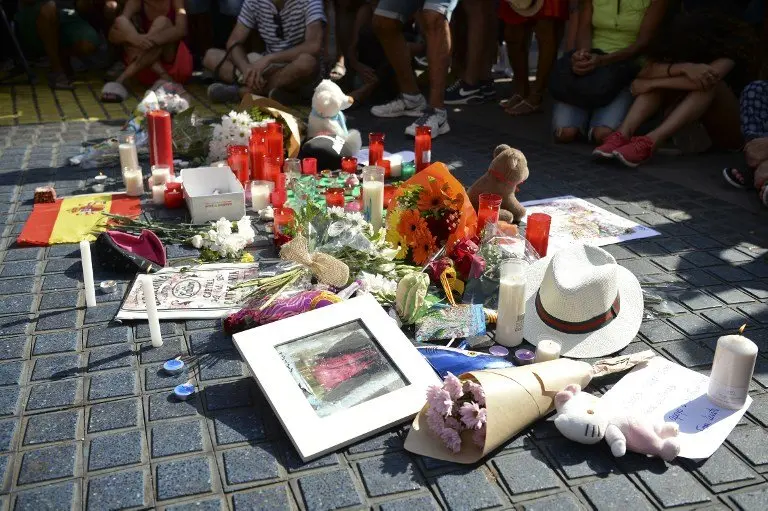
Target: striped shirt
290,22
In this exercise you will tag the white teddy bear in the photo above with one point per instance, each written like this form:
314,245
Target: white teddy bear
327,117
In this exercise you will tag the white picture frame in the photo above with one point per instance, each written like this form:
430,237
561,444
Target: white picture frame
270,350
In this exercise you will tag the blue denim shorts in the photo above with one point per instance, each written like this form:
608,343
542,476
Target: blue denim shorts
226,7
403,9
608,116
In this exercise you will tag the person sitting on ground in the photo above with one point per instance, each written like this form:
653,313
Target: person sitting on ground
292,31
621,29
201,22
388,22
696,69
154,53
59,34
754,128
547,24
367,58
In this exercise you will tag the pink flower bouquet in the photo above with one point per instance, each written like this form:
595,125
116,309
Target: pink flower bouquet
455,407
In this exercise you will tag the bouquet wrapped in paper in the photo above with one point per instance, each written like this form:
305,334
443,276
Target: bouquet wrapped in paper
428,212
473,414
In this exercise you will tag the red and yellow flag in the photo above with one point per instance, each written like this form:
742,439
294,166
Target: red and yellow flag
73,219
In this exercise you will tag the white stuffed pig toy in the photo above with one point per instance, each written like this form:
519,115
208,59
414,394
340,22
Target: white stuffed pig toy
327,117
581,419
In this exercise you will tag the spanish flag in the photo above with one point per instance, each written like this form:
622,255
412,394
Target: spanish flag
73,219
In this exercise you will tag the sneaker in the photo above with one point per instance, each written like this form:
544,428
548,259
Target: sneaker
223,93
637,151
435,118
401,106
612,142
461,93
488,89
738,178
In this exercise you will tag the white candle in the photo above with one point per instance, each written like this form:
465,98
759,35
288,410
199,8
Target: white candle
85,262
101,181
395,165
161,174
509,326
732,370
373,196
134,182
158,195
547,350
259,196
128,156
151,305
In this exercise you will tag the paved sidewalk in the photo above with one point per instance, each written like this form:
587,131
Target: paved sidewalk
88,423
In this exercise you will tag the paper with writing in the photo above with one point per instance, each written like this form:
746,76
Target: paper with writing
664,391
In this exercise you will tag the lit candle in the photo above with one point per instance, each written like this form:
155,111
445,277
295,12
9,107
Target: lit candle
151,305
537,231
160,139
375,147
128,156
509,326
386,166
274,141
158,194
373,196
732,370
334,197
256,150
85,262
546,351
423,147
134,182
292,168
259,195
309,166
101,181
160,174
487,210
174,197
238,161
395,165
349,164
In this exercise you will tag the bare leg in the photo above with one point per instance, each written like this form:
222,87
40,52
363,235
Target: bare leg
518,37
692,107
390,33
149,57
722,120
48,31
480,23
761,174
644,106
213,58
547,38
294,75
438,36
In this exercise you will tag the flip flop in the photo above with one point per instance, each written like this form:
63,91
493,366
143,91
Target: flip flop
737,178
168,86
511,101
113,92
60,81
522,108
338,71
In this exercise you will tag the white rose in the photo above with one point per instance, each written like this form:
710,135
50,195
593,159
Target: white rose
223,227
197,241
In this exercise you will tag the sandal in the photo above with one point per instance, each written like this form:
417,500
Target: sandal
522,108
739,179
511,101
338,71
113,92
59,81
169,86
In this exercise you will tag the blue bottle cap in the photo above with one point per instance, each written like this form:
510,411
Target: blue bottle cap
173,366
183,391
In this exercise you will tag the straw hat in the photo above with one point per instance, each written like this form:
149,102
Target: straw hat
526,7
582,299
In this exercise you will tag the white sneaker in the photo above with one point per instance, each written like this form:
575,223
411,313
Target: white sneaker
401,106
436,119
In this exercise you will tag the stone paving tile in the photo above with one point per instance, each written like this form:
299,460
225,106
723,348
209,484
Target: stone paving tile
117,490
422,503
389,474
55,496
251,464
751,500
615,493
752,443
115,450
183,478
49,463
114,415
265,499
455,488
169,439
526,472
52,427
330,490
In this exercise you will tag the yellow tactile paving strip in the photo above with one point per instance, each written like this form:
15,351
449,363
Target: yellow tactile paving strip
22,103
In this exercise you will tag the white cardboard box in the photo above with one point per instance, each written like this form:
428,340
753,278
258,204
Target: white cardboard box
204,206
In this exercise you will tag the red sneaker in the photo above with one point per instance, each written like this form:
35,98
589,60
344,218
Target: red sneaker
612,142
637,151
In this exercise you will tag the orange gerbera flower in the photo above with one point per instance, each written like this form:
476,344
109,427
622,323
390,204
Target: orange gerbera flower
424,245
410,223
431,196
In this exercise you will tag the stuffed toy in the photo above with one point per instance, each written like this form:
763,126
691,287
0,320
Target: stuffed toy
581,419
507,171
327,117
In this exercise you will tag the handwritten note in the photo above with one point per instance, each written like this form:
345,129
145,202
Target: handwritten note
665,391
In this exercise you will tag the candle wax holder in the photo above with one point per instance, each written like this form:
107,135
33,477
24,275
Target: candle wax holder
174,199
487,210
309,166
334,197
349,164
537,232
423,147
283,225
375,147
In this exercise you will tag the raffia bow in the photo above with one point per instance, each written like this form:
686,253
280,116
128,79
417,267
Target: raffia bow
326,268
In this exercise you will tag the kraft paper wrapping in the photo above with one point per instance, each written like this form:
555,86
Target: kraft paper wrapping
515,397
277,110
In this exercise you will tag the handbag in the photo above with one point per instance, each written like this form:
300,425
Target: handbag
594,90
122,252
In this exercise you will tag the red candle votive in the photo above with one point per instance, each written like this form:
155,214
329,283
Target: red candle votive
334,197
283,222
256,150
386,165
274,139
423,147
389,193
349,164
309,166
160,140
537,231
375,147
238,162
487,210
174,198
272,168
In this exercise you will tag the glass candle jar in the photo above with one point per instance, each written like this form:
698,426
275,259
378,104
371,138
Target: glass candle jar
334,197
272,168
349,164
423,147
387,166
409,169
174,198
375,147
373,196
275,141
256,151
283,225
487,210
237,157
292,168
309,166
537,231
389,193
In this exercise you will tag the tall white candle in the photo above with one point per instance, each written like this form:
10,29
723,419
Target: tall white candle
732,370
509,326
161,174
85,262
151,305
547,350
128,156
158,194
259,196
373,196
134,182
